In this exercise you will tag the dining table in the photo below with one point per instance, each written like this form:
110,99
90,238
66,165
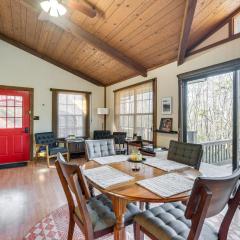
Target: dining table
130,191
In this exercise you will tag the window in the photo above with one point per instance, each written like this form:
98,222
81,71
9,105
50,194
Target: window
70,113
237,24
10,111
134,110
209,113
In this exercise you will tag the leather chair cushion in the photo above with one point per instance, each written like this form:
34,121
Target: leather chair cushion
102,215
102,134
55,150
119,137
167,222
100,148
186,153
46,138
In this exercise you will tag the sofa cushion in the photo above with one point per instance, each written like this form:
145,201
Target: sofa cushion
102,215
55,150
167,222
100,148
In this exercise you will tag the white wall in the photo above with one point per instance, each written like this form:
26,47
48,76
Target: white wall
19,68
167,82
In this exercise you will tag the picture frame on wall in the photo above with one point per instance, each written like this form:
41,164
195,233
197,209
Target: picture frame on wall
167,105
166,125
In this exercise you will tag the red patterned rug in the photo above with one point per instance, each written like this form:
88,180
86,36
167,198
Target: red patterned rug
55,227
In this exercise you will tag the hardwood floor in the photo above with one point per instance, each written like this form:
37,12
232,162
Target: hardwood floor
28,194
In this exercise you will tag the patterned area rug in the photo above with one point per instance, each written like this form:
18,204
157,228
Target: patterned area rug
55,227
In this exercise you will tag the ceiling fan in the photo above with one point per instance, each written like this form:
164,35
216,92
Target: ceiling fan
56,8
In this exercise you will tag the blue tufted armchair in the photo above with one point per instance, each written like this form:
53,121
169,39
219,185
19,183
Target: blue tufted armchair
46,142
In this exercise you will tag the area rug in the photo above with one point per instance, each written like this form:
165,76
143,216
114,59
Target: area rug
55,227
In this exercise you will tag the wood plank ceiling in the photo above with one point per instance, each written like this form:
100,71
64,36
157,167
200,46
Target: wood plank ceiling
147,31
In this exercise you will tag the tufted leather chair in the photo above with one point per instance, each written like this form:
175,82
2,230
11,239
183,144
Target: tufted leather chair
102,134
186,153
94,215
175,221
46,142
119,139
99,148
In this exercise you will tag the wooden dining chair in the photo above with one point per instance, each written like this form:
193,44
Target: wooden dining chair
186,153
93,215
176,221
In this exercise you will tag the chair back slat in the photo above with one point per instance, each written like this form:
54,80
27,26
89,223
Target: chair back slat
74,183
208,198
186,153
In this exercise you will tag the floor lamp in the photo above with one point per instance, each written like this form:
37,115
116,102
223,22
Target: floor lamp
104,112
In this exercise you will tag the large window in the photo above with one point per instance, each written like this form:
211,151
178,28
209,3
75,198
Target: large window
209,113
134,110
70,113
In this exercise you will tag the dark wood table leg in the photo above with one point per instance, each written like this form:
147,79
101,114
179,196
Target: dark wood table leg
119,207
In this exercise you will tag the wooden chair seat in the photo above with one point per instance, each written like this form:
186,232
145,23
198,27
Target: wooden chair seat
167,222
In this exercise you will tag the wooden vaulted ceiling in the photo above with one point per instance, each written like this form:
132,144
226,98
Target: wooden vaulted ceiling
146,32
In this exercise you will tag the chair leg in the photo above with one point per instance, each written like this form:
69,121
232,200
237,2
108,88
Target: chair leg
71,227
91,189
48,162
141,206
146,205
138,234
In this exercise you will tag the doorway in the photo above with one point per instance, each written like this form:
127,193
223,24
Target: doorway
210,100
16,124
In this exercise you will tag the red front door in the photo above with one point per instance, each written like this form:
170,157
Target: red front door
14,126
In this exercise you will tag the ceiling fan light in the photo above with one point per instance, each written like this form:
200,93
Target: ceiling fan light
45,5
61,9
53,12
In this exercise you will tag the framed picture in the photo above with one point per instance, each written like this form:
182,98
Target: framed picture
166,125
167,105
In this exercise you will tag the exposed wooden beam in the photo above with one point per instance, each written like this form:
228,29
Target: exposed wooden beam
230,38
67,25
215,28
48,59
186,28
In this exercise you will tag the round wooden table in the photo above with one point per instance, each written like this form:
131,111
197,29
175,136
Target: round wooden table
124,193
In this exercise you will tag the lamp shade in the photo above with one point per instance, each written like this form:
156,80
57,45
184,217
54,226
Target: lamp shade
103,111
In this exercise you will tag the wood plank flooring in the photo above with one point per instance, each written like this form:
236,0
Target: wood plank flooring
28,194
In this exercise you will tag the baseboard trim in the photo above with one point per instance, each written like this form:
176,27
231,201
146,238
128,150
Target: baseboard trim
13,165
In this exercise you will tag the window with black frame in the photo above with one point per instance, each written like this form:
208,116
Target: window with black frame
209,113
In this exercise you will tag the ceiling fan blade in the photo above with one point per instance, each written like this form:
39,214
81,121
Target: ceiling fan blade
33,4
83,7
